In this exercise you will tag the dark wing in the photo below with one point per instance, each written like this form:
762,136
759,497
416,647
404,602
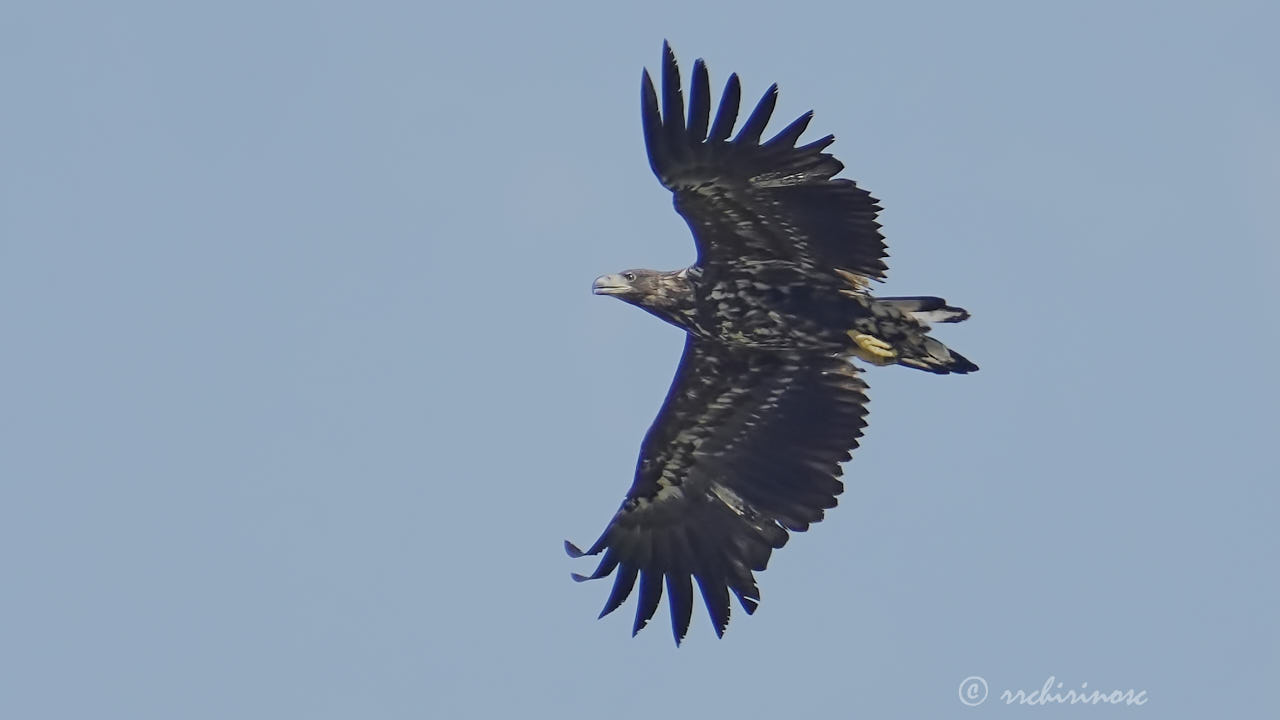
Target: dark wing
747,446
744,199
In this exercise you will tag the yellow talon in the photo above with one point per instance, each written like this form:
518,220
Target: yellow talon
872,349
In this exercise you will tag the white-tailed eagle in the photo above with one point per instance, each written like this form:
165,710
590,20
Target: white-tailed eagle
765,404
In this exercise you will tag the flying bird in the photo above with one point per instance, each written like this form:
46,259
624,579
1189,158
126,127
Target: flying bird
766,403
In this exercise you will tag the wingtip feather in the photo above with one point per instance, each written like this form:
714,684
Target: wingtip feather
759,118
727,112
672,96
787,137
699,102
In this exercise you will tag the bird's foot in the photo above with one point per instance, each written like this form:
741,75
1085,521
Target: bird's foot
872,349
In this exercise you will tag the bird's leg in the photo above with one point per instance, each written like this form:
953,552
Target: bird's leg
872,349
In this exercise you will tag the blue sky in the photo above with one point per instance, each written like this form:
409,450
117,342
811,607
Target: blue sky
304,385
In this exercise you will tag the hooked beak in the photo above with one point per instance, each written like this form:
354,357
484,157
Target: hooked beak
610,285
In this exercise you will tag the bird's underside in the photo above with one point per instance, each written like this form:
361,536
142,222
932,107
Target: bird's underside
776,305
765,404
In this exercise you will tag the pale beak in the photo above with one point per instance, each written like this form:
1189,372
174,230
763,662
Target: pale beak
610,285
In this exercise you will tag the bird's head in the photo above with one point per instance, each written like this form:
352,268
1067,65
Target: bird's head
629,285
665,294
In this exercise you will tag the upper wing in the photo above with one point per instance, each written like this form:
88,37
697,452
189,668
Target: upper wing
748,445
747,199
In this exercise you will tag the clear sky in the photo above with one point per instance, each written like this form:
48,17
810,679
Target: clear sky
303,383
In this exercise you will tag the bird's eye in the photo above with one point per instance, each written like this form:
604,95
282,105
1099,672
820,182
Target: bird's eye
630,277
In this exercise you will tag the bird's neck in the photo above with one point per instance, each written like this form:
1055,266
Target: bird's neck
674,299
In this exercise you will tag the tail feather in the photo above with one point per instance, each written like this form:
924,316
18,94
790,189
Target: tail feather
939,359
927,309
912,346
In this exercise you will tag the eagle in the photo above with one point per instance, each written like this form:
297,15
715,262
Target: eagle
766,403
